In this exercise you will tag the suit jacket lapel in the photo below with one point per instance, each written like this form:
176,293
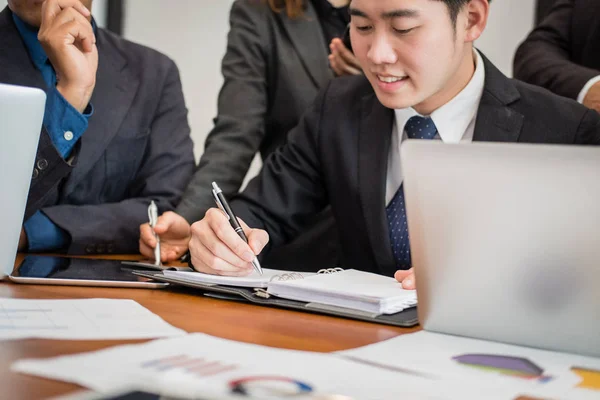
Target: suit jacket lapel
306,35
496,122
116,87
15,65
374,146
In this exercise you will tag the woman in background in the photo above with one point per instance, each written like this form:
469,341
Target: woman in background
280,53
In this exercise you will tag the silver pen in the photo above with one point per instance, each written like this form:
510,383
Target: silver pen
153,217
224,206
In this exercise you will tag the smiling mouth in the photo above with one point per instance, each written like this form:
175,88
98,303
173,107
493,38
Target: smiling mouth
391,79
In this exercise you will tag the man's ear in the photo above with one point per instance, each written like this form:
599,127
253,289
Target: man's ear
477,12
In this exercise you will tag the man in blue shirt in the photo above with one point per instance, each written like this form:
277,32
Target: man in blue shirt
115,132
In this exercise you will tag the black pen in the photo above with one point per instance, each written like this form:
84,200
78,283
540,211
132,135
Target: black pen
224,206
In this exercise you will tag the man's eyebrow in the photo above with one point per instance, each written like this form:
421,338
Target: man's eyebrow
402,13
357,13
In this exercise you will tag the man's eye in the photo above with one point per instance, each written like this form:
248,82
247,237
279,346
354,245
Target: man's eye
403,31
364,28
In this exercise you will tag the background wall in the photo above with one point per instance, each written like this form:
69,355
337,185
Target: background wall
98,9
508,25
193,33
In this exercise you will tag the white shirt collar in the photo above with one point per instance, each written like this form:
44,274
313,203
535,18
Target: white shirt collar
453,118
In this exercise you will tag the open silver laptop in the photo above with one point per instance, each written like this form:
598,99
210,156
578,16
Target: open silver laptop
21,116
505,241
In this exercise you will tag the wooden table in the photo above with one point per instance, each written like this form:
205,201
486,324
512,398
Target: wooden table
187,310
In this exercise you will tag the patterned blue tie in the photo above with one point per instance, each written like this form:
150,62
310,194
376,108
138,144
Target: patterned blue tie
416,128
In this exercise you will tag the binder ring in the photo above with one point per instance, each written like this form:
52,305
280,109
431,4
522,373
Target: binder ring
329,270
286,277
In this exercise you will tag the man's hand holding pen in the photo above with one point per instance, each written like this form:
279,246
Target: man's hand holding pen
217,249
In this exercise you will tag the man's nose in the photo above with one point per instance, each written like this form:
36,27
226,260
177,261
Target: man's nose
382,51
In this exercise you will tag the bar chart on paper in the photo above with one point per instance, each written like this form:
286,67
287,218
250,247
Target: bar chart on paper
195,366
80,319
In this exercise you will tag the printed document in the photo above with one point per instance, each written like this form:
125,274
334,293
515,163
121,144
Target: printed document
81,319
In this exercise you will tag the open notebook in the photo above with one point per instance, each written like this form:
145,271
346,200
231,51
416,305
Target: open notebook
351,289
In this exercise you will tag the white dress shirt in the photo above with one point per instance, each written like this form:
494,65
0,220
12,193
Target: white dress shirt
587,88
455,122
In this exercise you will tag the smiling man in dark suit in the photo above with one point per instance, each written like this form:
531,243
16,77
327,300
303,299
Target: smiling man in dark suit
562,53
115,132
423,80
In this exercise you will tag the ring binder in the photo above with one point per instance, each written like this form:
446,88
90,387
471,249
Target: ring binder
258,292
330,270
260,296
281,277
286,277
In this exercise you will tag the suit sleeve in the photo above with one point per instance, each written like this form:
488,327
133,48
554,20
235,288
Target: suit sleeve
588,132
166,168
545,57
242,108
46,181
290,187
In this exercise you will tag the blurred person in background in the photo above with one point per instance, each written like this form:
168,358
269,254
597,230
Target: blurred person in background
562,54
280,53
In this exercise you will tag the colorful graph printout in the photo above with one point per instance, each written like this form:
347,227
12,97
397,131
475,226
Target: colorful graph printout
507,365
273,386
590,378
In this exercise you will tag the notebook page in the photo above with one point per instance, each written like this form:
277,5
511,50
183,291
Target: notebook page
254,280
349,288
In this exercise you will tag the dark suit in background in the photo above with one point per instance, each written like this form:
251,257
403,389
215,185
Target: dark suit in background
273,69
338,155
136,148
542,8
563,52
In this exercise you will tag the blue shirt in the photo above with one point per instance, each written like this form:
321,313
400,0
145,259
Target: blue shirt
65,126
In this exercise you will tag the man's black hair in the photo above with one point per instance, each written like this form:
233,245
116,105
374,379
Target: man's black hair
454,6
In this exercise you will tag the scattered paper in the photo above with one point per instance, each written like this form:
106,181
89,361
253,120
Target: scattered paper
478,362
82,319
197,364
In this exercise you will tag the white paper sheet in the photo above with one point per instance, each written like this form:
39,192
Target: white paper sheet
198,364
85,319
450,357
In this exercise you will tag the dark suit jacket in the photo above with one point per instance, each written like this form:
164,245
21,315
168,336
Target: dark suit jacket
136,148
562,53
338,155
273,70
542,8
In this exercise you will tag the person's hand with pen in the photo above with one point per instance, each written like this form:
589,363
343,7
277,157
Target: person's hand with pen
214,246
174,233
219,244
